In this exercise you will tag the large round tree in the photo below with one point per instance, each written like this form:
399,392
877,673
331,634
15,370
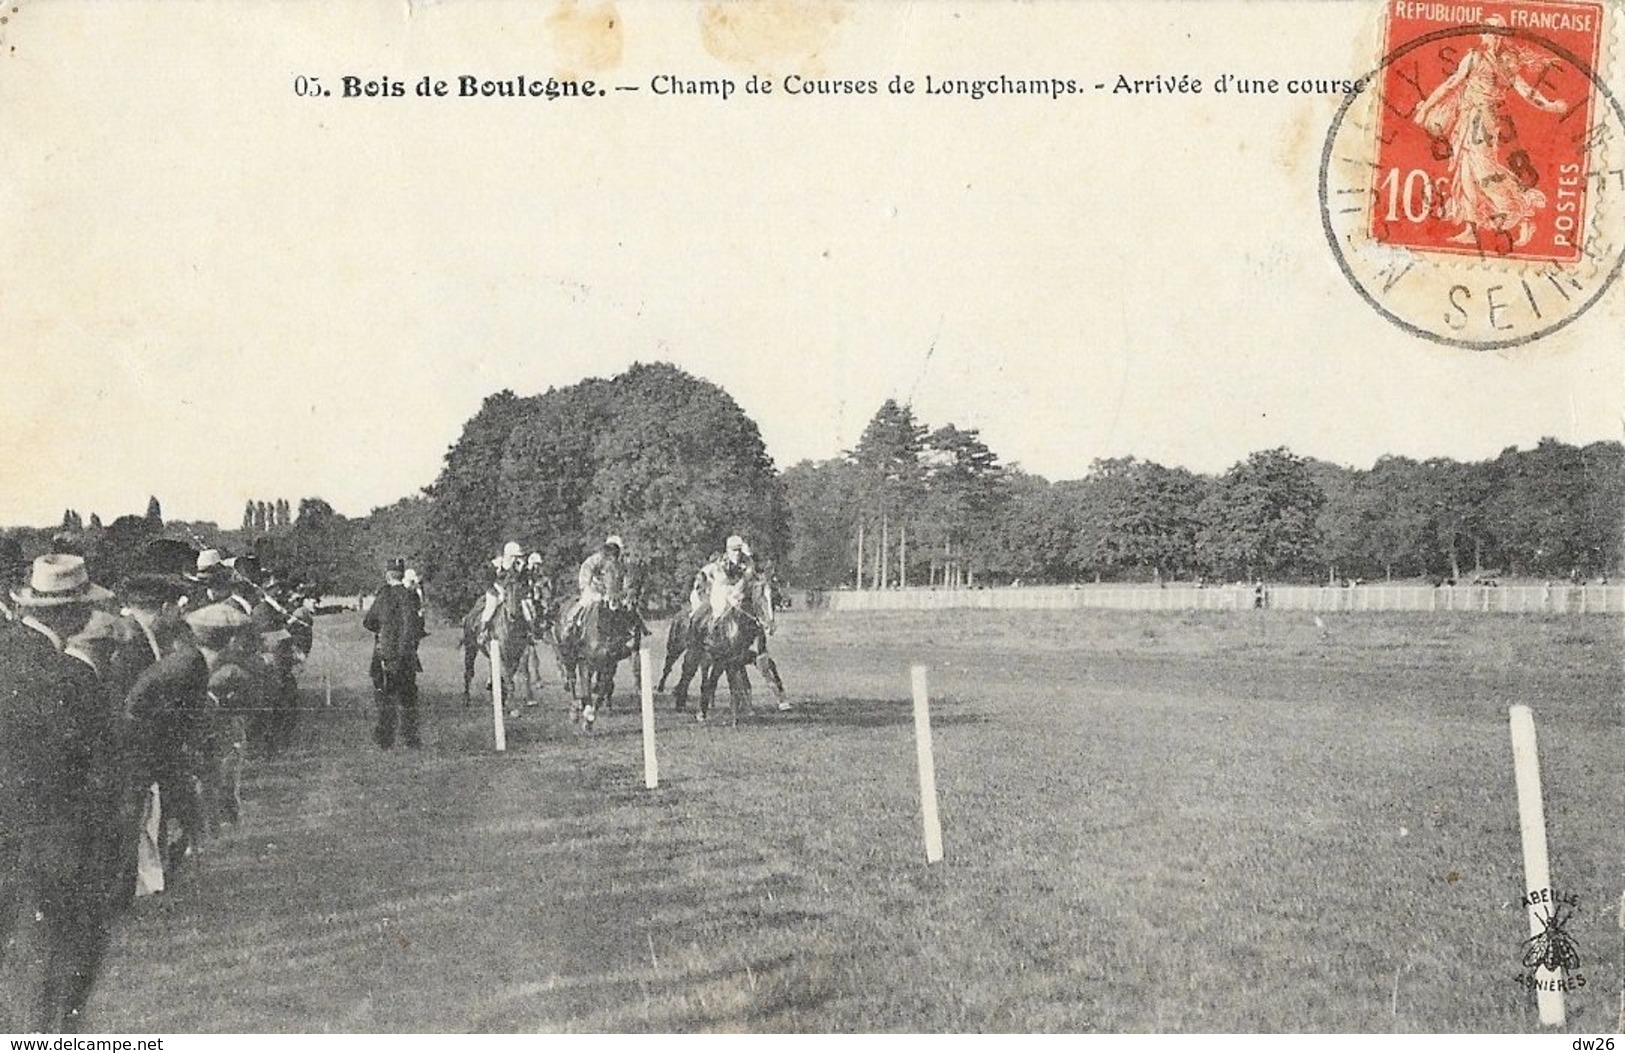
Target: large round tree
666,460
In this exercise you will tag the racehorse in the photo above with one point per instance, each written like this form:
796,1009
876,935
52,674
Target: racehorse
724,643
541,613
589,652
509,625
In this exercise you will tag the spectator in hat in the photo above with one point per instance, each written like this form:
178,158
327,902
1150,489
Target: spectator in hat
168,703
219,630
60,602
59,754
393,621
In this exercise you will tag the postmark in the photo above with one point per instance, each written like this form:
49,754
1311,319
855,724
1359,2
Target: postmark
1472,187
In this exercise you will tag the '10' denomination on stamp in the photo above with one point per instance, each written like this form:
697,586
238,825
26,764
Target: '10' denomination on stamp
1473,187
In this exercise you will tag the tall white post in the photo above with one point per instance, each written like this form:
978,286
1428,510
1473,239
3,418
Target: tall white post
497,726
651,766
928,767
1537,877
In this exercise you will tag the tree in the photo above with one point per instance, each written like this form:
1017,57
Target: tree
668,461
891,479
823,501
1036,528
962,484
465,514
678,467
1545,510
155,513
248,517
118,553
397,531
1260,518
323,547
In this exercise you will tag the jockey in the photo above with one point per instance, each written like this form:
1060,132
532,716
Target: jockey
511,560
602,573
699,594
600,579
509,567
733,574
539,591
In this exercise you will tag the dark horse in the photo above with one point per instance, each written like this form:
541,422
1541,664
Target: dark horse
511,627
716,645
589,652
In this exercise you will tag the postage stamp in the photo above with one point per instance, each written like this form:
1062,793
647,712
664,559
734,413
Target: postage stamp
1473,187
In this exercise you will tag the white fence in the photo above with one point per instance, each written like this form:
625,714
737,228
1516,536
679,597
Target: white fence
1510,599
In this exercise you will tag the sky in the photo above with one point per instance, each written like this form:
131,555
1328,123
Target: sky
221,290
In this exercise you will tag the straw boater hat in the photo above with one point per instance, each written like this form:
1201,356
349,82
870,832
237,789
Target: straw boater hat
215,625
211,567
59,580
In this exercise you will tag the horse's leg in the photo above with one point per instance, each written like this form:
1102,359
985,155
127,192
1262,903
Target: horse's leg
468,672
533,671
710,673
692,659
770,670
738,691
674,651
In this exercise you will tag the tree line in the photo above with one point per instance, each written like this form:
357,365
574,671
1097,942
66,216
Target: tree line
911,505
674,465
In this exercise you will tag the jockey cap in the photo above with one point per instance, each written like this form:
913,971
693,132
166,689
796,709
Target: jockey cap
535,559
512,551
614,539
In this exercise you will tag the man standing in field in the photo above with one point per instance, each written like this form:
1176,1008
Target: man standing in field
392,619
61,765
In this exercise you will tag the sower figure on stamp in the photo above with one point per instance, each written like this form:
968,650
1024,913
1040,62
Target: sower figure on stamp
392,619
1467,112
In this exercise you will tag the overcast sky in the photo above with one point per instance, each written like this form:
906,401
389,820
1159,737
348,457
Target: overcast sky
218,290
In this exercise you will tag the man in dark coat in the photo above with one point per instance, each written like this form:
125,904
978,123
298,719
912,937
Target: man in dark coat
170,706
392,619
60,780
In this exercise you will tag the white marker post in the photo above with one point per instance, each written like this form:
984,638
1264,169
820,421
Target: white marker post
1537,875
498,728
928,767
651,766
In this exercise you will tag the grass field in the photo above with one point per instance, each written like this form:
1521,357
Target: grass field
1153,822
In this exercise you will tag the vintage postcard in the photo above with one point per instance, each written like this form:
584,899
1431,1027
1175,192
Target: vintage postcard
812,516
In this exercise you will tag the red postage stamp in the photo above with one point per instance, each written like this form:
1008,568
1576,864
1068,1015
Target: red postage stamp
1484,130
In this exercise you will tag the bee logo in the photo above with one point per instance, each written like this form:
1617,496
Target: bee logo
1552,947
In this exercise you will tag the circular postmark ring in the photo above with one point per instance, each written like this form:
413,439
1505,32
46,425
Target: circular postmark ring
1371,83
